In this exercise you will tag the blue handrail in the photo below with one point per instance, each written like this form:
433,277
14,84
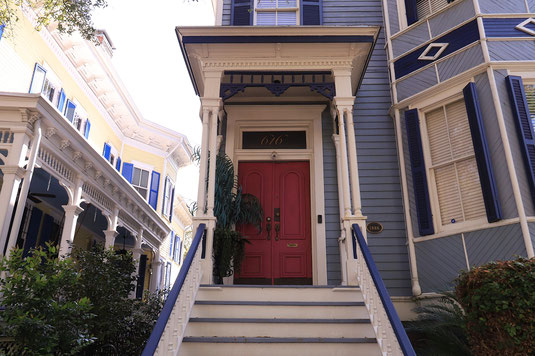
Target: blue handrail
159,328
401,335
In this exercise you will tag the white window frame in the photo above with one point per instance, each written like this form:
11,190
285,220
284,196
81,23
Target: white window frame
402,13
430,172
145,167
277,9
51,81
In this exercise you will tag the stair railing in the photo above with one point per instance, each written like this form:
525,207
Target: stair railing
166,337
389,331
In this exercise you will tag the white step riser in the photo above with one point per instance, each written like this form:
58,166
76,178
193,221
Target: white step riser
324,330
201,349
269,311
281,294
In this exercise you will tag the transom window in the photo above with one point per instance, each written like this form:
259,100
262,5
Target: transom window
453,165
276,12
140,181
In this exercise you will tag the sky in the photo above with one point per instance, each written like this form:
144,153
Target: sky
150,64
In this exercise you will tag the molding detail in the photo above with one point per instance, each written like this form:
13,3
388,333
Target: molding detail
522,26
441,48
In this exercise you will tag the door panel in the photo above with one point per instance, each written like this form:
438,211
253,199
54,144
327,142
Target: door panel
282,255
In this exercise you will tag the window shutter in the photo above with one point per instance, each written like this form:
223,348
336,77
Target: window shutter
128,171
523,125
141,274
107,151
2,26
38,79
171,244
69,110
118,164
311,13
164,197
412,11
87,128
242,12
154,186
61,100
419,176
481,150
171,207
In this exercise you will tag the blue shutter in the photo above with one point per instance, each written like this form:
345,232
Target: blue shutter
171,244
411,11
180,253
311,12
38,79
523,125
107,151
164,199
154,186
87,128
61,100
70,108
242,12
481,150
2,26
128,171
118,164
33,231
419,176
171,208
141,276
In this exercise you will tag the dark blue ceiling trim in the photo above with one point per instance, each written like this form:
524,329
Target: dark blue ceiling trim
502,27
276,39
457,39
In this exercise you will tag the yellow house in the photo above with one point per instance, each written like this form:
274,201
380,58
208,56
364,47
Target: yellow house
79,164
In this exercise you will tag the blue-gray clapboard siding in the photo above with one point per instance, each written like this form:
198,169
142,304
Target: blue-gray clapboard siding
502,7
457,13
393,16
532,232
406,42
516,150
511,50
531,5
416,83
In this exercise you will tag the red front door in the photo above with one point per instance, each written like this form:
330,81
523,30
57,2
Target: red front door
281,253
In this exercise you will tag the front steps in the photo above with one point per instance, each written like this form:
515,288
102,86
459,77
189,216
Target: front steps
279,320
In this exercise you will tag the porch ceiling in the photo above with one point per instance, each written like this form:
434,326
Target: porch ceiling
268,48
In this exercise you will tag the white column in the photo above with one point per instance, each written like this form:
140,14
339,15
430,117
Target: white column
213,159
342,238
36,141
72,211
111,232
136,254
201,195
353,164
344,166
13,174
155,271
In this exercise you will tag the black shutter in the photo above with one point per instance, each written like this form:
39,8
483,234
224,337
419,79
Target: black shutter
481,150
311,13
141,276
523,125
419,176
412,11
242,13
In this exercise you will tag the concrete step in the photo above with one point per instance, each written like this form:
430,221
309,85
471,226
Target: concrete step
256,309
280,293
283,346
273,328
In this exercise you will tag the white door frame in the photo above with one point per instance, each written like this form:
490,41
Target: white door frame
242,118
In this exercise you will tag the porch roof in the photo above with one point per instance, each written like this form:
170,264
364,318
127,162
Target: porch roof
276,48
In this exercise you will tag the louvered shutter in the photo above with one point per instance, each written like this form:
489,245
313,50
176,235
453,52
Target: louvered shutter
419,176
61,100
481,150
311,12
171,207
107,151
242,13
128,171
87,128
154,187
118,164
164,201
411,10
523,125
38,79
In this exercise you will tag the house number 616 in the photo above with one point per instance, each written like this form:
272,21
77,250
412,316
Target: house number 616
269,140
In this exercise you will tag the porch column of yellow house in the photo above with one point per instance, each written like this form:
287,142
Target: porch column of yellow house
211,106
16,140
155,271
343,103
72,211
136,254
111,232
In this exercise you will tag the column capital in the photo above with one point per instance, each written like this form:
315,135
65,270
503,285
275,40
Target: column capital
212,104
344,102
73,209
16,170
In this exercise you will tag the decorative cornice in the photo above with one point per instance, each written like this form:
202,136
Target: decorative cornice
277,63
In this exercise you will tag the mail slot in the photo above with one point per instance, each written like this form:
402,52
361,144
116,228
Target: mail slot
291,245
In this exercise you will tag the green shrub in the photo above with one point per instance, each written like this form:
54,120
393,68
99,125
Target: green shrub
499,303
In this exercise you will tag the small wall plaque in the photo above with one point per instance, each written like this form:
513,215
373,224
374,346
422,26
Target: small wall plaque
274,139
374,227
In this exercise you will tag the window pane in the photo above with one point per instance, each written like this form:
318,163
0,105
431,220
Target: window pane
266,18
144,179
287,3
266,4
142,191
136,177
448,194
38,80
473,204
459,129
286,18
439,142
